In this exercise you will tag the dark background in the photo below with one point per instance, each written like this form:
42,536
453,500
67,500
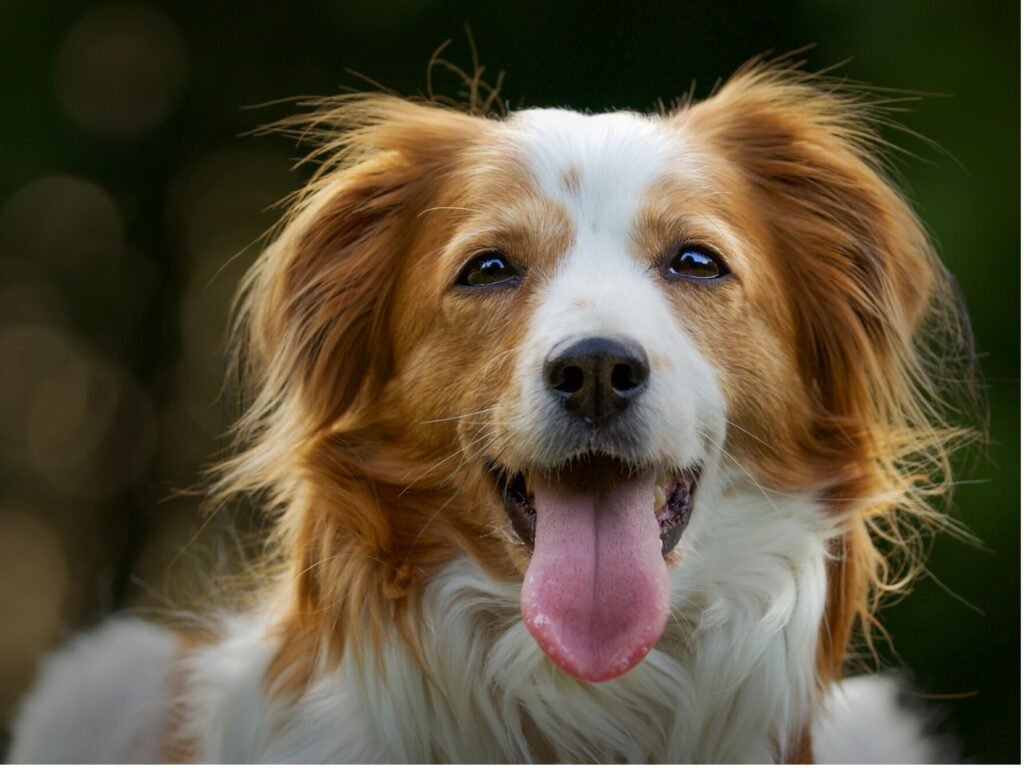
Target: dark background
126,187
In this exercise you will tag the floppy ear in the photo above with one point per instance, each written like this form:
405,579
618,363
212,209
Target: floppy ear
313,341
862,280
316,302
317,298
859,264
312,330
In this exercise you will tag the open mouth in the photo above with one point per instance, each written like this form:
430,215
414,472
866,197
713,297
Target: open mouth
596,593
673,497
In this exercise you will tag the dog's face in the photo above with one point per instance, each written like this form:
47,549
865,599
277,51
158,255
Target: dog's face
595,318
584,327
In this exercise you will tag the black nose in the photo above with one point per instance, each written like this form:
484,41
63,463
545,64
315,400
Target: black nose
597,377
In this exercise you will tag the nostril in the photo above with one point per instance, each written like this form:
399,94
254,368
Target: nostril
570,381
626,377
597,377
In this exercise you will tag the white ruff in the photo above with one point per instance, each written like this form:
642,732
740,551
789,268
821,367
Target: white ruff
730,680
105,698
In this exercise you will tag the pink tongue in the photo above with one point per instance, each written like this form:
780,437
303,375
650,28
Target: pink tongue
596,594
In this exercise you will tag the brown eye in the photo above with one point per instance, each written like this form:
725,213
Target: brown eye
694,262
487,269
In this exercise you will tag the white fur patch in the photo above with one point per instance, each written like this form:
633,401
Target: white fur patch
602,288
614,157
731,676
733,672
105,698
863,722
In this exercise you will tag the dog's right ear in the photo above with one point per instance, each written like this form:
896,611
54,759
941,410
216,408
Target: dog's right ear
311,332
315,305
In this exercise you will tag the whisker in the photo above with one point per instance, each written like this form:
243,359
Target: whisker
446,459
741,468
341,555
460,416
432,518
733,424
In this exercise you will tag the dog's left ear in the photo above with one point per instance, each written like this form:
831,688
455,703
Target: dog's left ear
860,267
872,307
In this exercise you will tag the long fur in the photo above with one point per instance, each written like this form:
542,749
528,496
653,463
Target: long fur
388,627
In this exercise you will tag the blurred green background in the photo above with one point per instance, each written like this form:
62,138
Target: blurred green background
126,187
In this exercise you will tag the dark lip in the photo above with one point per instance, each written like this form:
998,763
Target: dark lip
673,516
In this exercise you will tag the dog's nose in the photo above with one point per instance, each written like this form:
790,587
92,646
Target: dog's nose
597,377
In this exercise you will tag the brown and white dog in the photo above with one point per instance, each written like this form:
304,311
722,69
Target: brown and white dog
587,438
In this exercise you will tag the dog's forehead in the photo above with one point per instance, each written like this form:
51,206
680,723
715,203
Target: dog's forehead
599,167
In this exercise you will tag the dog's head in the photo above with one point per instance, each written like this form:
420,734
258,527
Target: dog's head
553,340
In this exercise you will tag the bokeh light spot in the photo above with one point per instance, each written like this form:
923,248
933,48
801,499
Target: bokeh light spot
33,581
91,429
121,70
29,354
65,224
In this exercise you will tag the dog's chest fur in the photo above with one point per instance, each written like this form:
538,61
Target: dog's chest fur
732,679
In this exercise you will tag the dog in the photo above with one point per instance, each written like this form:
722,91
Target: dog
586,437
